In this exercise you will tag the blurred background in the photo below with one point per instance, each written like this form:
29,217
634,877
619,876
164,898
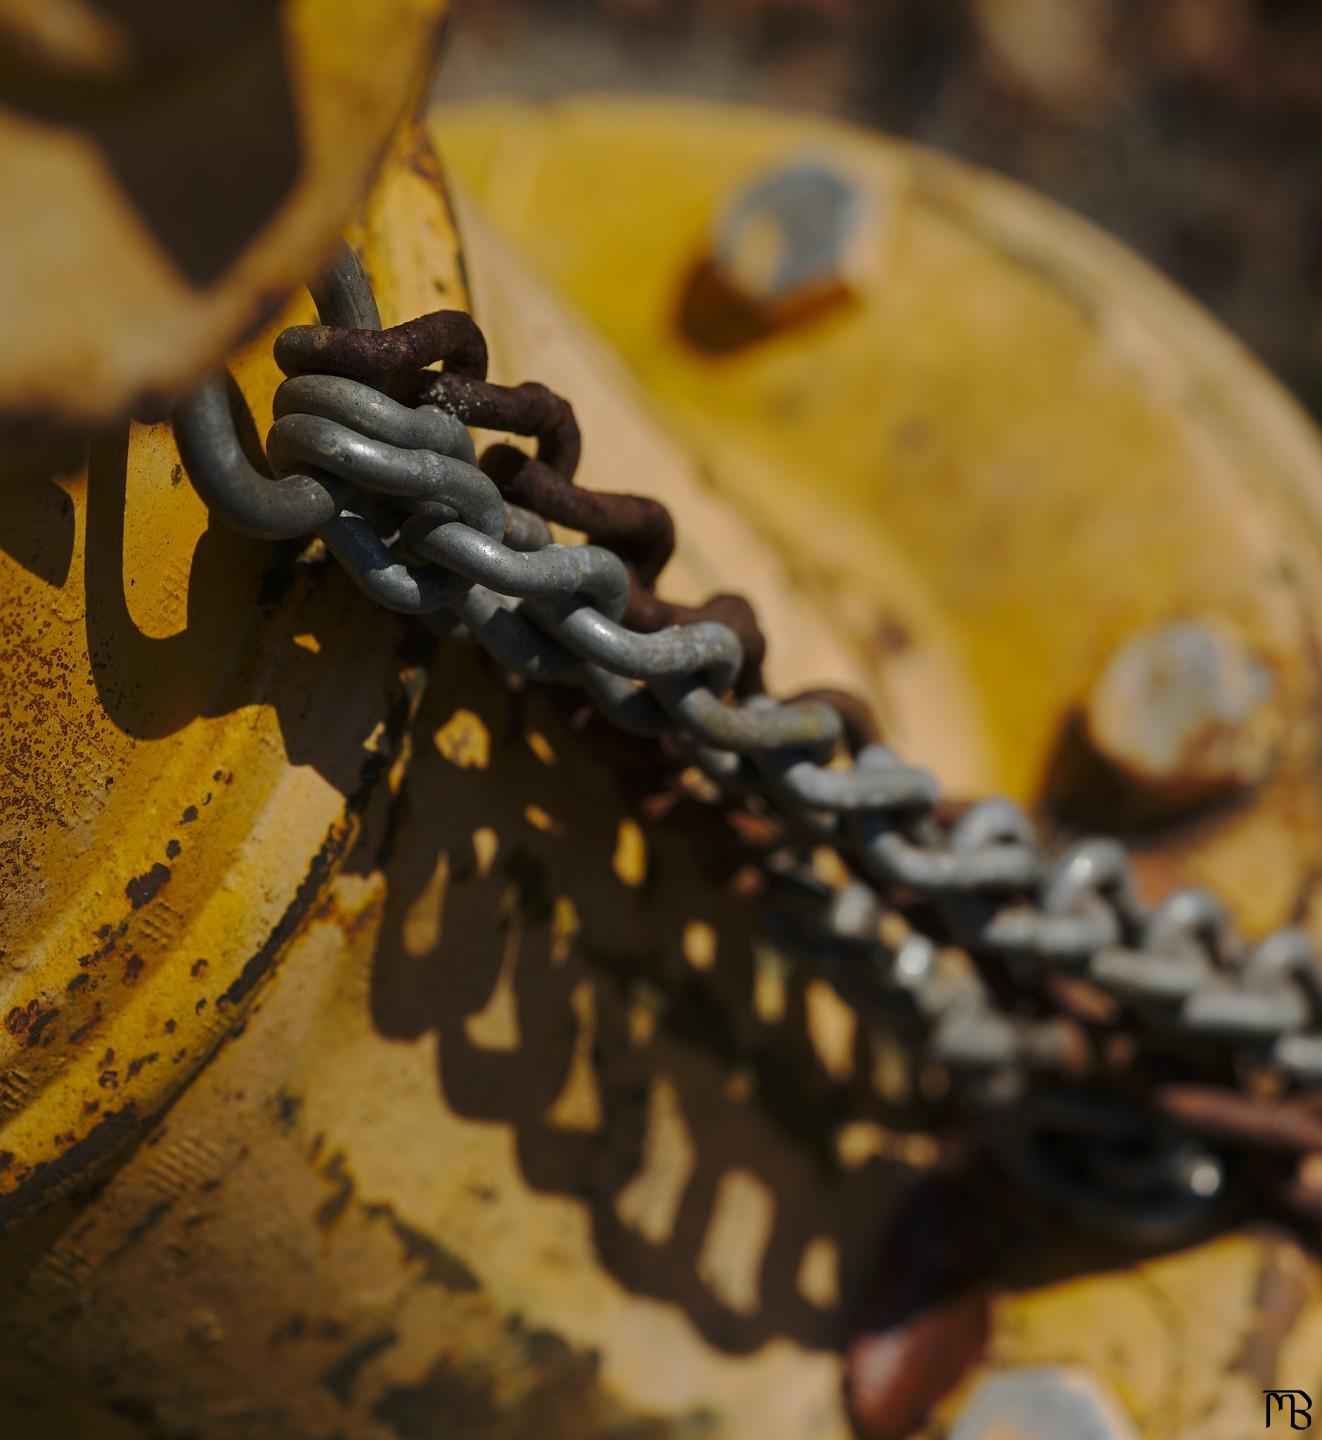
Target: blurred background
1192,129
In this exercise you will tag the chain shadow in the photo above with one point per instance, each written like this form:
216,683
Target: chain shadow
285,636
610,1019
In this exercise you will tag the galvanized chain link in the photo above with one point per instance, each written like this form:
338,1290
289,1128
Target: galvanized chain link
395,493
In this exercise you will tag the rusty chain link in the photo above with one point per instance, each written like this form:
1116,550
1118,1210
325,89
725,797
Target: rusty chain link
1120,1059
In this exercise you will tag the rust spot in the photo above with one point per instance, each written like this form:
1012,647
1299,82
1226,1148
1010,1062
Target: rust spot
39,1023
439,1266
172,850
895,1377
20,1017
287,1106
29,1020
198,968
718,318
189,815
169,1027
342,1376
49,1175
76,1037
144,887
328,856
929,1319
353,921
133,967
322,867
79,982
374,355
136,1065
331,1210
295,1328
139,1230
110,936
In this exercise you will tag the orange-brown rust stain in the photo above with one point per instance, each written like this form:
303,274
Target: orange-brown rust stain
353,921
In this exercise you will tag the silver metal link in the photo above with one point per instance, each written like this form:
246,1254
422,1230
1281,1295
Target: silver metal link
425,478
360,408
553,571
230,484
706,650
395,494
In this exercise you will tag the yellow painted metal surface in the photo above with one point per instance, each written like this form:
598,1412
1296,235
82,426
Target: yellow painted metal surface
1008,448
193,723
458,1174
526,1134
171,172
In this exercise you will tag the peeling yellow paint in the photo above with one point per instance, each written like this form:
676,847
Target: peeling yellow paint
188,767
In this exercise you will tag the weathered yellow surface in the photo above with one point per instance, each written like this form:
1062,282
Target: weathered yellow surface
1010,448
1013,447
171,172
191,728
476,1164
526,1134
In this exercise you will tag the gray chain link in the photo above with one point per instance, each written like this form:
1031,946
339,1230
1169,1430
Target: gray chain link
396,496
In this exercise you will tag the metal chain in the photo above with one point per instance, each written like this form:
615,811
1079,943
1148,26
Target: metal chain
1094,1037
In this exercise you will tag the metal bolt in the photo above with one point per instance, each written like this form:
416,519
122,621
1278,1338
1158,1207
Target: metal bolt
781,250
787,234
1044,1403
1182,714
